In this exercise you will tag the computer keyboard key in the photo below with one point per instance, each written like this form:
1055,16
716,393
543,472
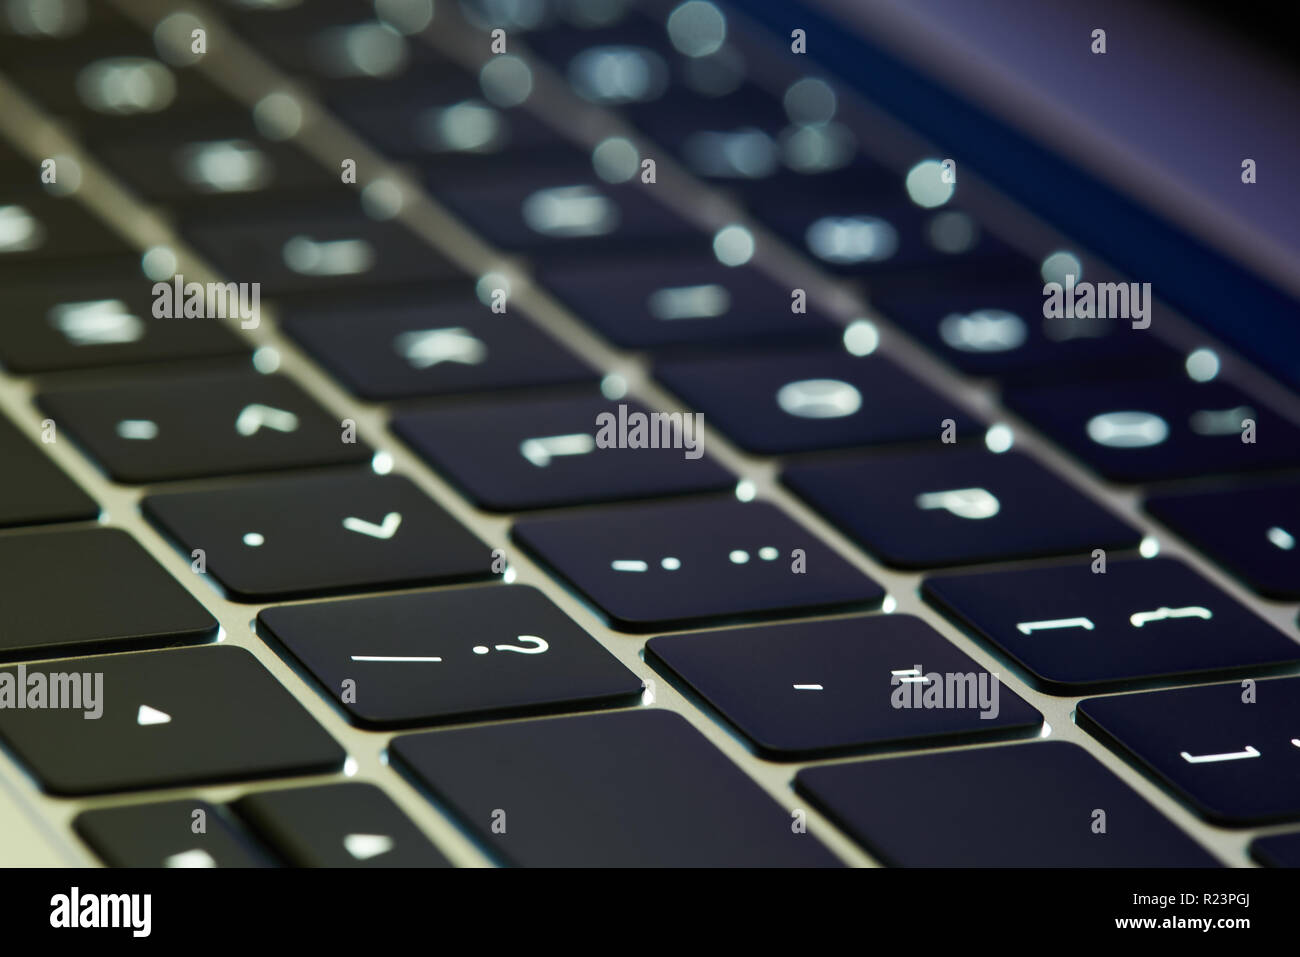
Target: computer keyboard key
72,591
156,429
662,302
34,490
338,825
319,534
1277,850
433,348
628,789
449,655
1152,430
802,401
831,686
38,229
667,565
1229,750
955,506
179,833
1250,529
1142,620
170,718
1046,804
539,453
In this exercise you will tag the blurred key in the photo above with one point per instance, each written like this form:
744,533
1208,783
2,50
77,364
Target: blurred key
171,834
538,453
123,598
800,401
450,655
319,534
1251,529
1228,750
918,509
33,489
1277,850
667,565
338,825
1036,806
163,428
540,794
1073,629
56,234
171,718
830,686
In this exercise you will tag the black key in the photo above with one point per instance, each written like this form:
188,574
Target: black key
1252,530
509,456
807,400
1142,620
164,428
654,302
430,657
1277,850
1228,750
999,331
38,229
73,591
338,825
107,323
1047,804
171,718
956,506
1157,429
32,488
320,534
171,834
444,347
663,565
314,243
824,687
542,794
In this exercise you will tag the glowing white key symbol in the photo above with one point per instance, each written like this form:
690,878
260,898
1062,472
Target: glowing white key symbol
984,330
1140,618
147,716
851,239
96,322
570,211
910,676
1127,430
1028,627
256,416
1281,538
689,302
335,257
426,348
808,688
541,450
1247,752
194,858
392,521
1220,422
365,846
137,430
973,503
819,399
669,563
19,230
427,659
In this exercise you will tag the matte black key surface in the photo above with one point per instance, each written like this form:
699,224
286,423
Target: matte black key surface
105,323
320,534
659,302
1156,429
40,229
1228,750
163,428
1277,850
830,686
1021,805
434,347
1252,529
314,243
33,489
1144,619
651,566
811,399
73,591
429,657
170,834
956,506
630,789
170,718
538,453
338,825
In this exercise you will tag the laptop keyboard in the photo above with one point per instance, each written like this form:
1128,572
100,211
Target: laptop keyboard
381,506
